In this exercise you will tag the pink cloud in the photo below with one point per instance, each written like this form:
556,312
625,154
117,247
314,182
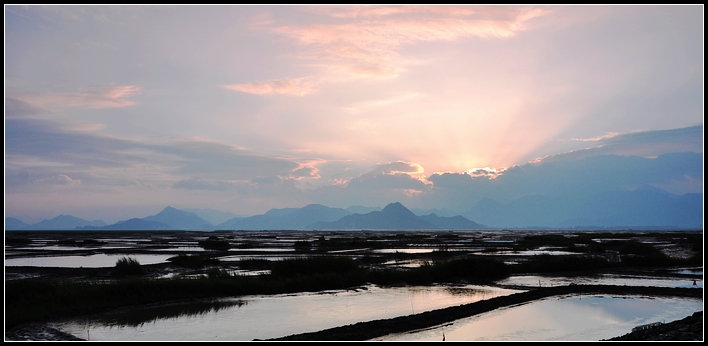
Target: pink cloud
95,97
369,48
296,87
307,169
379,11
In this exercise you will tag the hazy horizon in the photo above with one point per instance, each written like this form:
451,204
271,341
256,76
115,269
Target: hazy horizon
115,112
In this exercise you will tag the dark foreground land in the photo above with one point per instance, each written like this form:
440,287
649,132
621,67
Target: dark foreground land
35,296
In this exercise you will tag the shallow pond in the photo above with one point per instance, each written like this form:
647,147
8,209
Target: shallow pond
90,261
605,279
264,317
570,318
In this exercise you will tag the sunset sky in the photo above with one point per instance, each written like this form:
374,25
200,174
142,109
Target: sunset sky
114,112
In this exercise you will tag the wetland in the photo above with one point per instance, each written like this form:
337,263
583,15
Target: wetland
344,285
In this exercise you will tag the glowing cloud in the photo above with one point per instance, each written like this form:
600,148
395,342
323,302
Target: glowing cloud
491,173
307,169
296,87
369,49
398,167
598,138
379,11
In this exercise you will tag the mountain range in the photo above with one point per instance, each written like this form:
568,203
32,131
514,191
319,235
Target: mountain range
645,207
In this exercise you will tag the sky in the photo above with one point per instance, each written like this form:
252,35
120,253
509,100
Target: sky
114,112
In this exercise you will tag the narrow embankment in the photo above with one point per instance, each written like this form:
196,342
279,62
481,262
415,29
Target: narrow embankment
372,329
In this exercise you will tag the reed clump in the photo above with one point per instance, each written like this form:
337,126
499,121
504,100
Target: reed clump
126,266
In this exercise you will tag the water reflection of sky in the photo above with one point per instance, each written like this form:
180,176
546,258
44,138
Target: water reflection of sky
264,317
91,261
530,252
71,248
605,279
574,318
403,250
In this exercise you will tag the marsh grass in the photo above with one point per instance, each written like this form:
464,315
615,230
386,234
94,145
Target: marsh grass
126,266
214,243
193,261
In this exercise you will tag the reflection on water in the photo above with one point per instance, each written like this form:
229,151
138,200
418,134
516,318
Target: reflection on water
605,279
573,318
265,317
402,250
138,317
91,261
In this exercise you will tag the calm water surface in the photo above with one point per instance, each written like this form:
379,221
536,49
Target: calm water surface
92,261
264,317
605,279
571,318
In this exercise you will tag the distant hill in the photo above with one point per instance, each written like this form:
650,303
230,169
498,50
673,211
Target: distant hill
132,224
14,224
360,209
393,216
444,212
285,219
212,216
179,219
61,222
452,222
645,207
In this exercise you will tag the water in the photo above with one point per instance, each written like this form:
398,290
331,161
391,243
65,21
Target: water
572,318
264,317
605,279
91,261
580,318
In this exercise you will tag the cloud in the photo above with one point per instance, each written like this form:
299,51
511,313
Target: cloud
491,173
365,48
576,178
366,105
204,184
220,161
94,97
295,87
60,179
45,149
307,170
17,107
380,11
397,167
384,184
640,143
598,138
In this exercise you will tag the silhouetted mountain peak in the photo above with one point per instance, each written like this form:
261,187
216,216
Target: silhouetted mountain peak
650,188
314,207
396,208
179,219
170,210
